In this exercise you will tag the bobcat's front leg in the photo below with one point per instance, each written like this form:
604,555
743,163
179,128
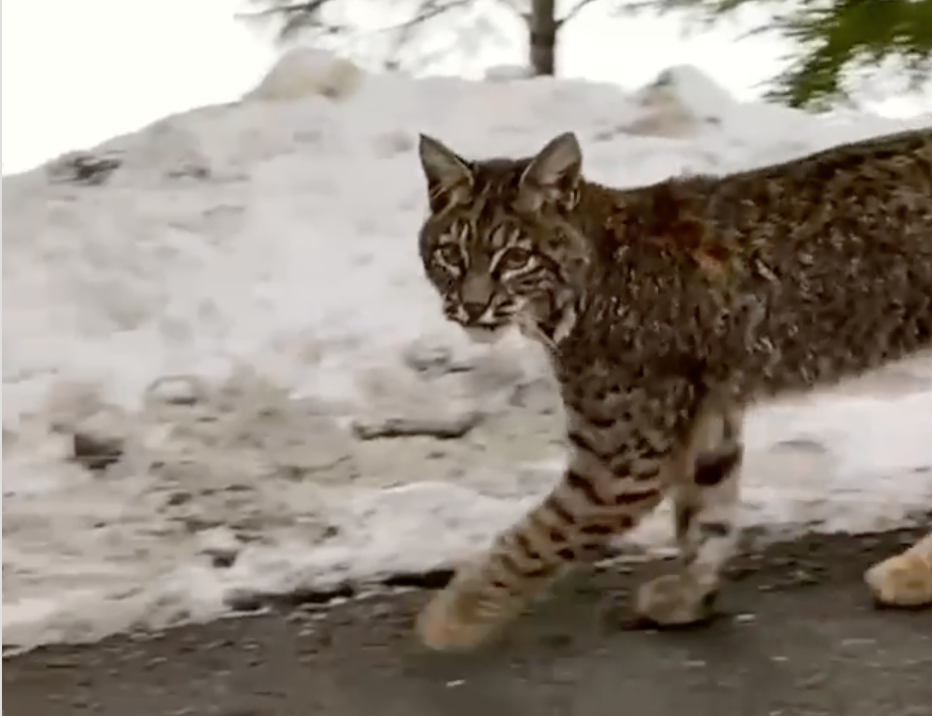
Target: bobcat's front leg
617,450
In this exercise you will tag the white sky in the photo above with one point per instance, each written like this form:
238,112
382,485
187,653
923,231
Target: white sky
76,72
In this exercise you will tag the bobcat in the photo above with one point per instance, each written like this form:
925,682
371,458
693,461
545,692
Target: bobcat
666,311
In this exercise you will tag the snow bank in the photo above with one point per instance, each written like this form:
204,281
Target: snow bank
305,72
208,325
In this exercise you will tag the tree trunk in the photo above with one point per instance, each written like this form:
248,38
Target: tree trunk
542,36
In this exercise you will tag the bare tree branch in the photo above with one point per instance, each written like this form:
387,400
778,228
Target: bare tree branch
292,17
521,8
574,11
309,8
427,10
409,37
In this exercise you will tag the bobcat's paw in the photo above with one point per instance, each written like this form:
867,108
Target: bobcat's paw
674,600
903,580
462,616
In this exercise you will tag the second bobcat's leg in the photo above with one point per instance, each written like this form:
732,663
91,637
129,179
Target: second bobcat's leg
705,492
905,579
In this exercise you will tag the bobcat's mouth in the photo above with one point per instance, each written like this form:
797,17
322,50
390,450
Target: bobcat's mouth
485,325
486,334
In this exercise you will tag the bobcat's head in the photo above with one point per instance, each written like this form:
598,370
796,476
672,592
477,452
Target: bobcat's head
504,242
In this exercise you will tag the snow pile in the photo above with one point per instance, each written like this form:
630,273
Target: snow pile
507,73
224,372
306,72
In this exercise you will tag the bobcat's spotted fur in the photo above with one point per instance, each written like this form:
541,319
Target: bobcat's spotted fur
667,310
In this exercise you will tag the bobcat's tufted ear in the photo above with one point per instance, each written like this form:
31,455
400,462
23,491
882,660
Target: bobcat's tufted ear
553,175
449,178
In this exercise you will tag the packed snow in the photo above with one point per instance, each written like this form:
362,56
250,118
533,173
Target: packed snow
219,350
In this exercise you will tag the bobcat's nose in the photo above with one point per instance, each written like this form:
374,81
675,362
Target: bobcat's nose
474,309
475,296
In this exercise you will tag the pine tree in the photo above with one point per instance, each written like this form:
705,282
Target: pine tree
833,40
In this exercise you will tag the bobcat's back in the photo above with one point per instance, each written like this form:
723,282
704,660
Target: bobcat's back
781,278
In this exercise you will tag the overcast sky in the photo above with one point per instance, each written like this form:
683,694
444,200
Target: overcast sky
76,72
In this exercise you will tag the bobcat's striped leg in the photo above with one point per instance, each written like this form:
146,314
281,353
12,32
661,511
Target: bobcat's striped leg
705,491
486,594
905,579
613,480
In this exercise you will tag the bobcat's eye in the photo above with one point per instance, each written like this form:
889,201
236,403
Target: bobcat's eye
450,254
514,258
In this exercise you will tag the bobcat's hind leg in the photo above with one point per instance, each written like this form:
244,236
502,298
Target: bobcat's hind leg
905,579
704,486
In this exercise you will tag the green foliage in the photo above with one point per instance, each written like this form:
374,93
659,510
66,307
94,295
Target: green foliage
833,39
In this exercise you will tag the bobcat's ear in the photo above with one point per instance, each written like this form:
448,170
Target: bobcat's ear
553,175
449,178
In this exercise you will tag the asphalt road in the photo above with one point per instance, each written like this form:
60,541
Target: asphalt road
798,637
